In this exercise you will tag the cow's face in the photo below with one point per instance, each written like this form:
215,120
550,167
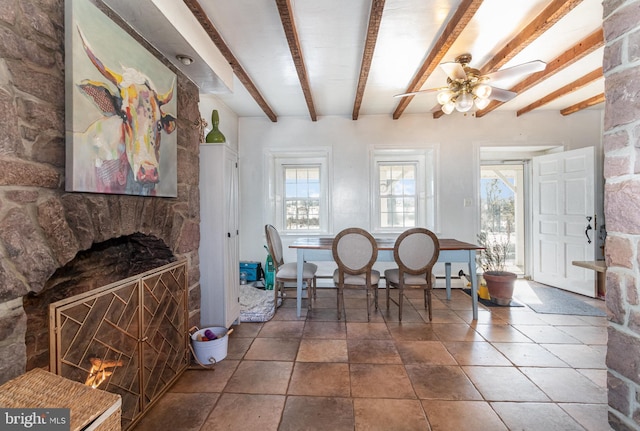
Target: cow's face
139,106
143,122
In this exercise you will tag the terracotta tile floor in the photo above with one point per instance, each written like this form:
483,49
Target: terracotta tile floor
512,369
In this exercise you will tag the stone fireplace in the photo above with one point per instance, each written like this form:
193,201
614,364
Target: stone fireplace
104,263
43,228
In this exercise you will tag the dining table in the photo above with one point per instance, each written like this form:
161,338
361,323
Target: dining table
315,248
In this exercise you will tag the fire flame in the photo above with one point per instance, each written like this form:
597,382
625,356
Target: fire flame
98,373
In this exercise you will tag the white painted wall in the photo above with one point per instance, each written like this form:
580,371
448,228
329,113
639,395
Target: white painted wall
458,138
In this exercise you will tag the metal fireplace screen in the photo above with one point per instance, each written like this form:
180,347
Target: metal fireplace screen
128,338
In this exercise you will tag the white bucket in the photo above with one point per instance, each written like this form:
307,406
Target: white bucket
212,351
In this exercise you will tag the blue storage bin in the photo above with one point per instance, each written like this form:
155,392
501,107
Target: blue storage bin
253,270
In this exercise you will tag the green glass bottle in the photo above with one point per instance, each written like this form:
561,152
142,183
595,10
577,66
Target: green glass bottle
215,135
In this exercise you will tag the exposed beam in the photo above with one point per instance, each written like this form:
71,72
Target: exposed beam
244,78
586,46
556,10
375,17
584,104
452,30
569,88
289,25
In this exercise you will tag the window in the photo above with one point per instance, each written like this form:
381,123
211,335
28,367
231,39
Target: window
397,194
302,197
403,189
299,192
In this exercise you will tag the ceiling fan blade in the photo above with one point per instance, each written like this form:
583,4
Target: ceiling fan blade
436,108
413,93
502,95
454,70
516,71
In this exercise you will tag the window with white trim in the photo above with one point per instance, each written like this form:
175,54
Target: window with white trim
397,194
300,200
403,189
301,197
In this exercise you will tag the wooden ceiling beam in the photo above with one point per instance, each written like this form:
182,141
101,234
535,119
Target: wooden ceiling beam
375,18
452,30
555,11
569,88
243,77
586,46
592,101
288,23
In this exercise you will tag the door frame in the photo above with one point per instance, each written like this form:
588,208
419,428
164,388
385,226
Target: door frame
525,196
487,154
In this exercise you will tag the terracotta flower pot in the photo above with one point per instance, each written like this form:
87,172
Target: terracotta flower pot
500,285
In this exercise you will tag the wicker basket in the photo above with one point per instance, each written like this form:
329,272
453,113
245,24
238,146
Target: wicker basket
91,409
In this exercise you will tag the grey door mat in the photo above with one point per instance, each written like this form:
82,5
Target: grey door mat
551,300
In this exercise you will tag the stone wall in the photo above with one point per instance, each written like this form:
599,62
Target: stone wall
622,209
41,226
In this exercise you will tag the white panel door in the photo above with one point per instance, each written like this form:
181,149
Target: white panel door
232,260
563,200
219,260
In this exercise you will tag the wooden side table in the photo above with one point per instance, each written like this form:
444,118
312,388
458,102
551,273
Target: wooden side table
91,409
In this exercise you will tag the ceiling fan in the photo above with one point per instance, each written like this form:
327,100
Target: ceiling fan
466,88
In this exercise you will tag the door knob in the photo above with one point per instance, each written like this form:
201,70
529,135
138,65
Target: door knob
586,231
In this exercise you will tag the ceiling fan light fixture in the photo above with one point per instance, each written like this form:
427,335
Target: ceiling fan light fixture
482,91
481,103
448,107
464,102
468,88
445,96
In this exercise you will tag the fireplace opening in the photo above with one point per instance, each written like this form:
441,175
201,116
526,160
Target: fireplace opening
102,264
128,337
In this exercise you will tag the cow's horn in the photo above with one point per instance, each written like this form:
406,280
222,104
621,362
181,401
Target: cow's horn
165,98
104,70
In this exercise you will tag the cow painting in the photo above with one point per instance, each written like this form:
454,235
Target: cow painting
120,150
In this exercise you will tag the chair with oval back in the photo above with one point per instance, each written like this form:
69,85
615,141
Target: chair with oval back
355,251
288,272
415,252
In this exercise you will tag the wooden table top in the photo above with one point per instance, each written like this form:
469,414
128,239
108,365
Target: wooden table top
324,243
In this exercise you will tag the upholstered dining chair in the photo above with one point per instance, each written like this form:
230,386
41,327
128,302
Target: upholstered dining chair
415,252
355,251
288,272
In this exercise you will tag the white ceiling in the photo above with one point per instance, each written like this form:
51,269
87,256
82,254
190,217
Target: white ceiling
332,35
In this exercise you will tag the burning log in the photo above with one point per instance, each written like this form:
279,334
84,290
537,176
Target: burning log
98,372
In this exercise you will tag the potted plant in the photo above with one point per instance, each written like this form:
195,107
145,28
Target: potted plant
500,283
